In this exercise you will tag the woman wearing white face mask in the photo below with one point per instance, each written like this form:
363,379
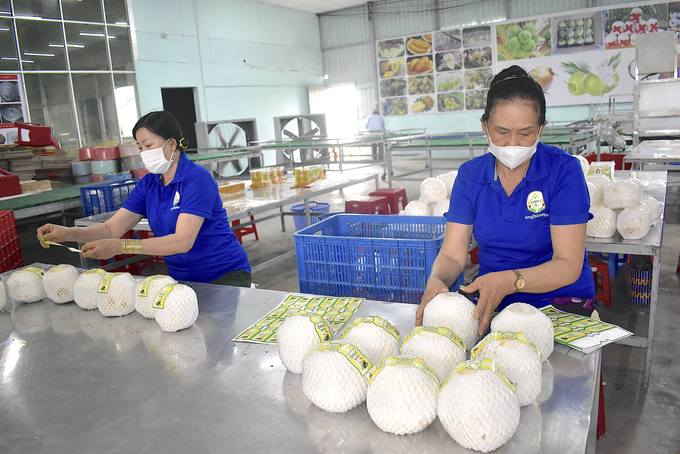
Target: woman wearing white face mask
527,204
185,212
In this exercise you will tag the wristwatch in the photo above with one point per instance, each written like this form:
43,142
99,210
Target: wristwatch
520,282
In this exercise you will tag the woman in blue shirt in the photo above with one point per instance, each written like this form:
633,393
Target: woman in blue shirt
527,204
184,209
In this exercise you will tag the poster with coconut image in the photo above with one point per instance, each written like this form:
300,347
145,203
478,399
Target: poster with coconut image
526,39
12,108
579,32
623,25
674,16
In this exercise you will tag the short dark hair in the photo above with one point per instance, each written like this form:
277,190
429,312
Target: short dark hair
514,83
162,124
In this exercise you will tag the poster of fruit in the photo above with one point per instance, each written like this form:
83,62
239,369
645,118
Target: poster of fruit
12,107
674,16
578,32
527,39
623,25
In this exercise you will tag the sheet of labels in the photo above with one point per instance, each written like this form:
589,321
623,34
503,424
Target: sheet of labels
335,310
582,333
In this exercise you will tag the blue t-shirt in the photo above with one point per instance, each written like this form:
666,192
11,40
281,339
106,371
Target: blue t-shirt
216,250
514,232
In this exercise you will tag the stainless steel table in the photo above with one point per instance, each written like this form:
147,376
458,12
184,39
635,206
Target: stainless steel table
74,381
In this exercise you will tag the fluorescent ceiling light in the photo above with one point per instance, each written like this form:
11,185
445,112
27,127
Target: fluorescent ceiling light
77,46
38,54
27,17
8,58
112,37
4,29
100,35
26,61
55,45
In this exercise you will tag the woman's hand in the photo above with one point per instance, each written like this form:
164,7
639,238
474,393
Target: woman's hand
492,289
102,249
434,287
51,232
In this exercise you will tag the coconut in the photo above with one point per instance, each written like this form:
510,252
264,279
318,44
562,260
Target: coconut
146,293
600,180
175,307
3,296
633,223
432,190
585,165
622,193
417,208
85,288
440,348
116,294
298,335
440,208
59,282
594,194
402,395
519,359
453,311
374,336
603,223
478,406
448,180
26,285
654,207
525,318
333,376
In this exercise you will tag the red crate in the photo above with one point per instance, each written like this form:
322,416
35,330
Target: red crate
394,196
9,184
10,249
617,158
367,205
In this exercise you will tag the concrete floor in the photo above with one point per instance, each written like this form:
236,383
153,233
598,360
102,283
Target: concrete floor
638,419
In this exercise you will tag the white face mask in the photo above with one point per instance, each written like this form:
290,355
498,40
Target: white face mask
154,160
512,157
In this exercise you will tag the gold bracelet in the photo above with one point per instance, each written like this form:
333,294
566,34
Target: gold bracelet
132,247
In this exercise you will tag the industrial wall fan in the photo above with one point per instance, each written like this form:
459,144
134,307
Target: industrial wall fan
227,135
301,128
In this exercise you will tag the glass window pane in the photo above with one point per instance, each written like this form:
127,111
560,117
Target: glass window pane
96,108
8,48
126,104
83,10
5,8
47,9
49,103
121,48
41,45
116,12
86,47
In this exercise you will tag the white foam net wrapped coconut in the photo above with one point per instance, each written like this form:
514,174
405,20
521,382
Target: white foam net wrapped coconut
333,376
603,223
440,208
375,337
633,223
585,165
441,349
59,282
3,296
432,190
402,395
417,208
448,180
119,298
298,335
180,308
26,285
525,318
146,293
653,207
622,193
478,408
595,195
600,181
518,358
453,311
85,289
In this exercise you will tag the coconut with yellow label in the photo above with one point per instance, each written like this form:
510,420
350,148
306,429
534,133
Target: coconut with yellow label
374,336
116,294
146,293
175,307
298,335
59,283
85,288
453,311
439,347
525,318
26,285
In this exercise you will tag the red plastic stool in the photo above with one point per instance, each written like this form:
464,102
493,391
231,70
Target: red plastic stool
601,425
601,268
368,205
474,255
394,196
241,232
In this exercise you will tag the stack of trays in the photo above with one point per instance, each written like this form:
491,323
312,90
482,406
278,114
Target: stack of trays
99,164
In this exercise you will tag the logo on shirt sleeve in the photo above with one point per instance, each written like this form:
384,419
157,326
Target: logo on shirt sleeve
535,202
176,199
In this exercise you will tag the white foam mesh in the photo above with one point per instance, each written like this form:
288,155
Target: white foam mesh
181,309
440,208
120,299
479,410
633,223
417,208
144,304
438,351
585,165
331,382
3,296
85,290
603,223
622,193
521,364
453,311
448,180
432,190
59,282
600,181
595,195
295,338
654,207
373,341
402,399
25,287
525,318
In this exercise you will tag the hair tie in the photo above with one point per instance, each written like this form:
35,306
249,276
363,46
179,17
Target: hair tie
183,143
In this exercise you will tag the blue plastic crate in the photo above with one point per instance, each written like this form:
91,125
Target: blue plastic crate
314,207
379,257
106,197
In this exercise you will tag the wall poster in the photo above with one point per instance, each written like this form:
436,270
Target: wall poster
12,107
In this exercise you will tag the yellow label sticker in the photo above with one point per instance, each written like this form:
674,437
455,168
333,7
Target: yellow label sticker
265,321
98,271
106,282
418,363
322,328
144,286
441,330
497,335
349,351
485,364
586,322
571,318
159,302
559,330
598,328
570,336
377,321
34,270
